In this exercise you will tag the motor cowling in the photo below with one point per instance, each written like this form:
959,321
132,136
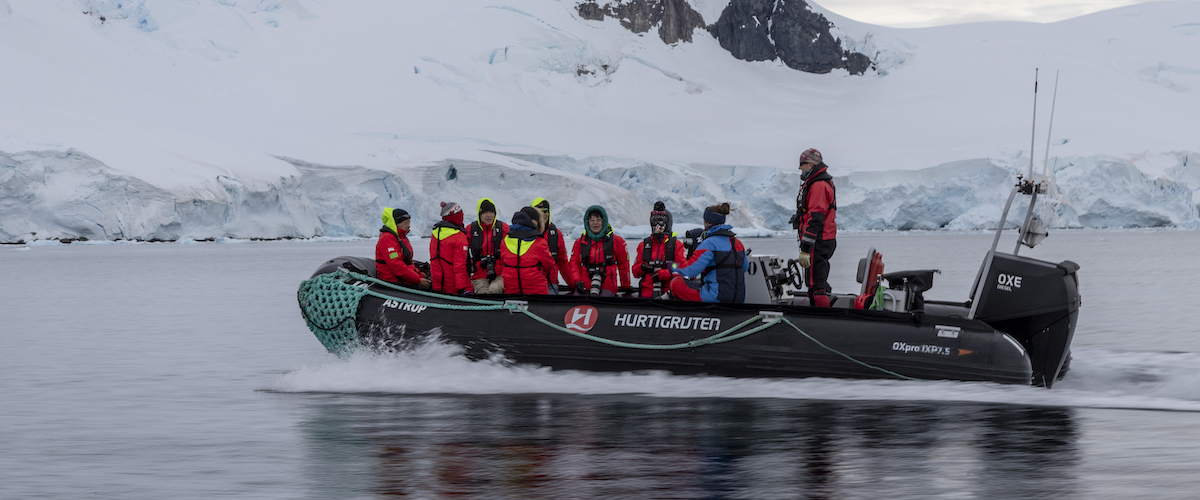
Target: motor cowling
1037,303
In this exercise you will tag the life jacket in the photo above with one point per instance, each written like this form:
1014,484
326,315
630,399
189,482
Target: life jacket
552,240
475,250
648,251
731,281
585,249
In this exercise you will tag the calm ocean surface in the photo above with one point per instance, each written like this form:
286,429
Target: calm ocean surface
173,371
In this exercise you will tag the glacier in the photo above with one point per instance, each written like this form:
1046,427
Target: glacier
68,196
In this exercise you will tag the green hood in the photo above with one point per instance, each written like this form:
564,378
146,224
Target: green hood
389,221
587,230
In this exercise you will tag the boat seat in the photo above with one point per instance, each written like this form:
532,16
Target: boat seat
870,269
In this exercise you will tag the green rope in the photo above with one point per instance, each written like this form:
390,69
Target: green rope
329,305
844,355
418,291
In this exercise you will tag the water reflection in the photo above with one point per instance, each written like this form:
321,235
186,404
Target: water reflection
555,446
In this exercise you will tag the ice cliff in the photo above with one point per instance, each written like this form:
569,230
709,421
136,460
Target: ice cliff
67,195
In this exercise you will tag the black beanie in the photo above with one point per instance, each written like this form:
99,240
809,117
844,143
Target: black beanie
487,206
533,213
660,206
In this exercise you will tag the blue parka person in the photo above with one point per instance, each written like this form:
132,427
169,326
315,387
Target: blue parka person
720,261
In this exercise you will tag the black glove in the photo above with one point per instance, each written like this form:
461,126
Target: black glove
466,291
647,268
581,288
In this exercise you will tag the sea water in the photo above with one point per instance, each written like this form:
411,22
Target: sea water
185,371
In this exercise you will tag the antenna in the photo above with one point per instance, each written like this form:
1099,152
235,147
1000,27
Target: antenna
1033,132
1053,101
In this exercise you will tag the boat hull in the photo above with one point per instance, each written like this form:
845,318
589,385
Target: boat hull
840,343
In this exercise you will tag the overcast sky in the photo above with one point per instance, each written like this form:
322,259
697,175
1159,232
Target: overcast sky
920,13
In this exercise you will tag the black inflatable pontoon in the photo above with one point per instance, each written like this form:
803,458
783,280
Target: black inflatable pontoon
1016,329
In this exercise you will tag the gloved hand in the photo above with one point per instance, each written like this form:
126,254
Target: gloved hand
647,268
664,275
805,260
581,288
466,291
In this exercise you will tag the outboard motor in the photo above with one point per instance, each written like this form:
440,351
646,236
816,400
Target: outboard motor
1035,302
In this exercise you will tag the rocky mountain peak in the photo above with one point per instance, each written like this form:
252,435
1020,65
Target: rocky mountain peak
751,30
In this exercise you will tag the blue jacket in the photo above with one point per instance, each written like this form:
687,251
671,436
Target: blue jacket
721,260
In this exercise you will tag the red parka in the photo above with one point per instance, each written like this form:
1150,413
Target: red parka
658,253
524,265
614,265
393,258
484,241
448,258
816,205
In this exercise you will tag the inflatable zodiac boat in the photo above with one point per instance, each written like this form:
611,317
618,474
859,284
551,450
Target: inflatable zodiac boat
1015,328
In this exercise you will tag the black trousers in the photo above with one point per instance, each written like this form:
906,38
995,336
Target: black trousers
817,275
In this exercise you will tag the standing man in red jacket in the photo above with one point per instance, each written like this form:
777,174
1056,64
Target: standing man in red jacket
557,246
657,253
393,253
448,253
816,208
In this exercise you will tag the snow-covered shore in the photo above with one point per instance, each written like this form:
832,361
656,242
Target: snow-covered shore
165,120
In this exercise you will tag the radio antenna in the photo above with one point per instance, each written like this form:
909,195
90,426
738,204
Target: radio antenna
1053,101
1033,132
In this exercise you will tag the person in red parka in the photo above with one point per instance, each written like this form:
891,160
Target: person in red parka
524,256
448,253
484,237
816,225
393,253
656,253
599,257
558,247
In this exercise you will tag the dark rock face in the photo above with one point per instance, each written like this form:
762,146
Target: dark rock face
675,19
802,38
751,30
745,31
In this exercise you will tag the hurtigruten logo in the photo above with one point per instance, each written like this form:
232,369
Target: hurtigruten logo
667,322
581,318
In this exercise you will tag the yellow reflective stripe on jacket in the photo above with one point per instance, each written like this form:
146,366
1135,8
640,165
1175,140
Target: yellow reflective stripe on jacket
514,245
442,233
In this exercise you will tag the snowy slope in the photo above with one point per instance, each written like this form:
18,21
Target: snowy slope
293,118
